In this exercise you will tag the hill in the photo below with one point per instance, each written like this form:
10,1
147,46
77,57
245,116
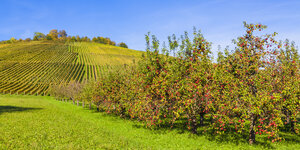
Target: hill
30,67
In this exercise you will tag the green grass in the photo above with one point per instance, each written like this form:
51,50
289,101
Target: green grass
36,122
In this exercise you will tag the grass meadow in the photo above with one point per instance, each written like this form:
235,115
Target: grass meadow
40,122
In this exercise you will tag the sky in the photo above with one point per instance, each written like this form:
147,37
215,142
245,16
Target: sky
128,21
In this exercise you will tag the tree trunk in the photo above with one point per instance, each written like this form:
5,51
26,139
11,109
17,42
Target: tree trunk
98,108
201,119
289,121
90,105
194,124
83,104
252,132
293,126
211,119
123,110
77,102
73,102
287,118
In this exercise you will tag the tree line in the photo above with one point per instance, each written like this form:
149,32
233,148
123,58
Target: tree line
61,35
251,89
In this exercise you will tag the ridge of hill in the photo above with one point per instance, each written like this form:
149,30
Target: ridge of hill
30,67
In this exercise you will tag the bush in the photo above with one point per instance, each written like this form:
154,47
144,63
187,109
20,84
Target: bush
122,45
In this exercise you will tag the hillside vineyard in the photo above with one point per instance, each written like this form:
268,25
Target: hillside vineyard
30,67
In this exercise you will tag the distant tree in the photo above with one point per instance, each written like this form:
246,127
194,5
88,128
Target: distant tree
88,39
103,40
122,44
107,41
100,39
73,39
48,37
12,40
78,39
85,39
38,36
113,43
27,40
53,34
62,34
69,38
94,39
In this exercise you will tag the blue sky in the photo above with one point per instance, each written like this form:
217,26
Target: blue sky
129,20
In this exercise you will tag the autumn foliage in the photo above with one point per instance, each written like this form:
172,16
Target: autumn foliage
254,88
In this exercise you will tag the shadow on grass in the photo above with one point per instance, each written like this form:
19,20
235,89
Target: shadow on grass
229,136
179,127
290,137
236,138
9,109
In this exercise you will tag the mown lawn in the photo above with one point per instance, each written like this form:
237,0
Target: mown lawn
36,122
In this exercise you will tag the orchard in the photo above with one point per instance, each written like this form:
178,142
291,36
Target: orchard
253,88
